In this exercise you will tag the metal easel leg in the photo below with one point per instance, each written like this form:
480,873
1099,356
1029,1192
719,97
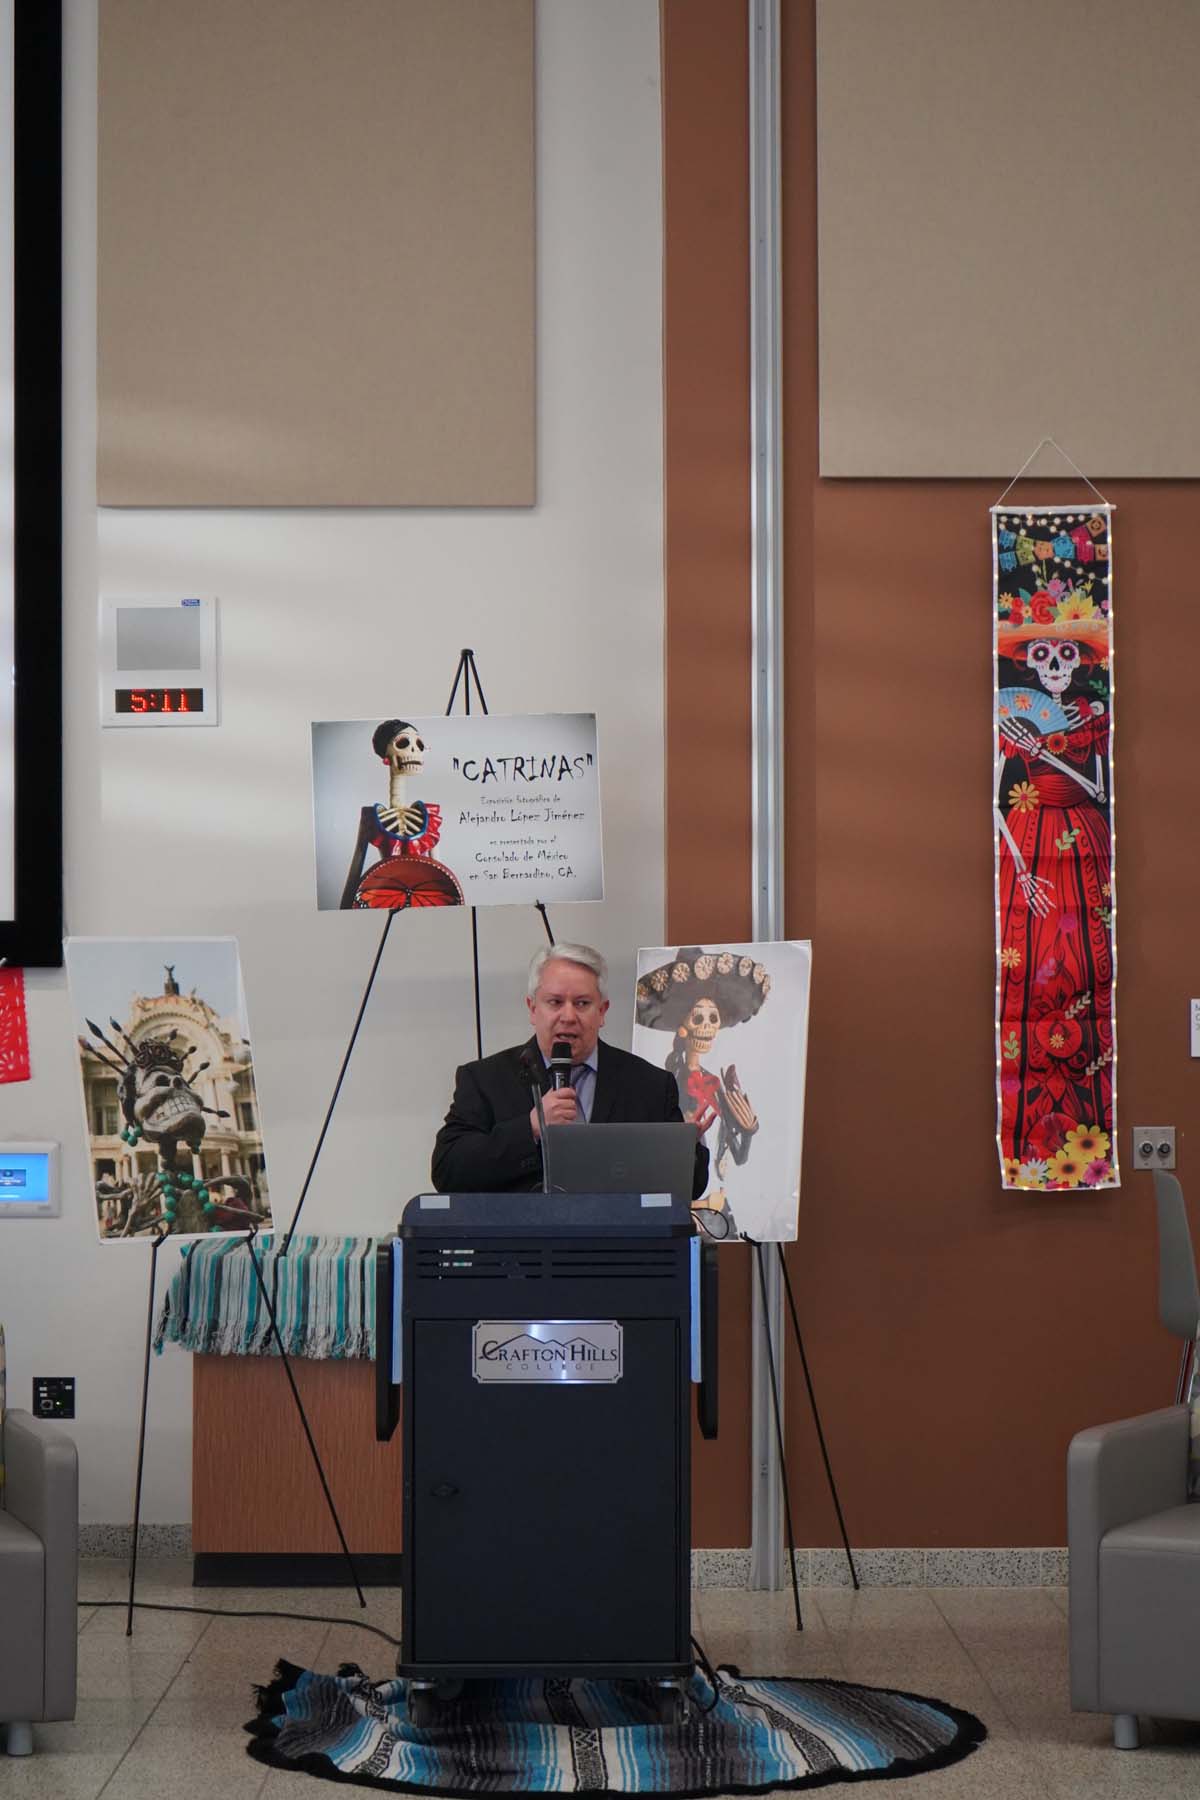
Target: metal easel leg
287,1367
778,1412
812,1401
156,1244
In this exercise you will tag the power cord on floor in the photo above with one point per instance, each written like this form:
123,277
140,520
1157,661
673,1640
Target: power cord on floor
225,1612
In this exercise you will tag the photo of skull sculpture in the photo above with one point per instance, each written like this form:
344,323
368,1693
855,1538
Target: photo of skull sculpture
695,996
161,1108
403,833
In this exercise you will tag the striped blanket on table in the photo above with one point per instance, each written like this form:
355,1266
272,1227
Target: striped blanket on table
323,1292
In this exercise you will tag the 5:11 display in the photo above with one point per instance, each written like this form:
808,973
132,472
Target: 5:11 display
159,700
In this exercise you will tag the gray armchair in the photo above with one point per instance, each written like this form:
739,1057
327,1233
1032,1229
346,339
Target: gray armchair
39,1570
1135,1572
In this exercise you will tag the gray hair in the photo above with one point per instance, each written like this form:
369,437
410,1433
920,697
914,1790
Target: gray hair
583,954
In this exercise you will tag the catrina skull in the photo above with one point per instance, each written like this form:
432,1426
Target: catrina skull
165,1107
701,1026
406,752
1053,663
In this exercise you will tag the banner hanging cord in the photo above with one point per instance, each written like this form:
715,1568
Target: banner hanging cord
1032,457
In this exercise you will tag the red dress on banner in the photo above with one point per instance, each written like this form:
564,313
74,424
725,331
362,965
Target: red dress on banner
1056,960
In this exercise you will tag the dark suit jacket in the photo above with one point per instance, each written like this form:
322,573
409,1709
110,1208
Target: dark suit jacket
487,1144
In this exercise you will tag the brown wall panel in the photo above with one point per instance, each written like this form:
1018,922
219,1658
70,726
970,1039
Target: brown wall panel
958,1335
706,363
254,1487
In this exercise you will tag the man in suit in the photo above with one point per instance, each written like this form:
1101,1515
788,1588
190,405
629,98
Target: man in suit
490,1142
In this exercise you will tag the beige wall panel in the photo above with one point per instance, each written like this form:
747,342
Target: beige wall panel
316,253
1008,200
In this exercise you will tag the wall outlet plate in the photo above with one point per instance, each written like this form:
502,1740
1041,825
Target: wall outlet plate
1194,1025
54,1396
1154,1146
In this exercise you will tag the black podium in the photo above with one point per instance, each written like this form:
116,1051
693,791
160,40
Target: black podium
547,1345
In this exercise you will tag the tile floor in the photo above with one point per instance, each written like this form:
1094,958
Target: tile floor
160,1715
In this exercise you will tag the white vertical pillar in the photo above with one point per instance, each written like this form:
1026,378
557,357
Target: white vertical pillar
767,1566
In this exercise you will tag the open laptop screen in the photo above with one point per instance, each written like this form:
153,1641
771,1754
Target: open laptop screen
622,1159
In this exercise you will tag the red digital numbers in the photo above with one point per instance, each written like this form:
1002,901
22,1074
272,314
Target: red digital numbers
159,700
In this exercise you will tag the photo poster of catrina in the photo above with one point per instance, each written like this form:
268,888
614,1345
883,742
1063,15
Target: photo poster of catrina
171,1116
730,1022
483,809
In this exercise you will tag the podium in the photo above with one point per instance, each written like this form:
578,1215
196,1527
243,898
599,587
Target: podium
548,1346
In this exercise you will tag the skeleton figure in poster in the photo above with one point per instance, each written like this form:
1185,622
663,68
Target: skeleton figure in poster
403,833
160,1107
695,997
1054,887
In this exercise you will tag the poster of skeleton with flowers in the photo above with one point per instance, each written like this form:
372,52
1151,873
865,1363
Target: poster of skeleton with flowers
1055,878
730,1022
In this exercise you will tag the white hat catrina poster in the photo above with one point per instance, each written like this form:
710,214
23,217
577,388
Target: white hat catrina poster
730,1022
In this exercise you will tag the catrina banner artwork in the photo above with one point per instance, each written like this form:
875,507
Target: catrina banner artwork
1055,881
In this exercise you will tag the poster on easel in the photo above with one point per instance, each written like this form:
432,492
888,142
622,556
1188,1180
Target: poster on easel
479,809
730,1022
172,1122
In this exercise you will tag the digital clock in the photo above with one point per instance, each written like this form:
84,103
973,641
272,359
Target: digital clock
158,660
159,700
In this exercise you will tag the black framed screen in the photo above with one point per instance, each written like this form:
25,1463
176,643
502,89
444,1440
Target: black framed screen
31,722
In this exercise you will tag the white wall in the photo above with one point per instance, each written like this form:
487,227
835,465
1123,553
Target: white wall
339,615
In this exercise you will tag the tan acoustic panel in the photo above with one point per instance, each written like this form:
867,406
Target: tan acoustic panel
316,253
1007,237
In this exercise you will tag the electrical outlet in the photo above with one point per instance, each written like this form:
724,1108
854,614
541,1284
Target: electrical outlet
1194,1024
1154,1146
54,1396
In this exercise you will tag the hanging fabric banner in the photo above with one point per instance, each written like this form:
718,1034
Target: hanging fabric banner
1055,879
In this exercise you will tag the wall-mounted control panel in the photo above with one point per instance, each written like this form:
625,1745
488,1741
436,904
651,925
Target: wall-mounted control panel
54,1396
29,1181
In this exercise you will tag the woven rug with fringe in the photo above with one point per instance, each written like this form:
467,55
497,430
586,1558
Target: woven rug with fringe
584,1737
323,1292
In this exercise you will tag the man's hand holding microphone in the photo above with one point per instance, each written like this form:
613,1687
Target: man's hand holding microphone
560,1103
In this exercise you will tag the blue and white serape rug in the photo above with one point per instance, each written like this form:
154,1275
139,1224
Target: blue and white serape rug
601,1738
323,1292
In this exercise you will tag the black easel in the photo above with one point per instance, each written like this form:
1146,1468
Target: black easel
784,1482
465,673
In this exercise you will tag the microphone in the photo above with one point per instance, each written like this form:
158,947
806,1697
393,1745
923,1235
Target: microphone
560,1063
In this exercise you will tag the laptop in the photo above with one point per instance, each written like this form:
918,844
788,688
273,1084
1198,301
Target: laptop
622,1159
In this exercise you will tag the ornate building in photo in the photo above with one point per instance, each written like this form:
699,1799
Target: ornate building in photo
233,1144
